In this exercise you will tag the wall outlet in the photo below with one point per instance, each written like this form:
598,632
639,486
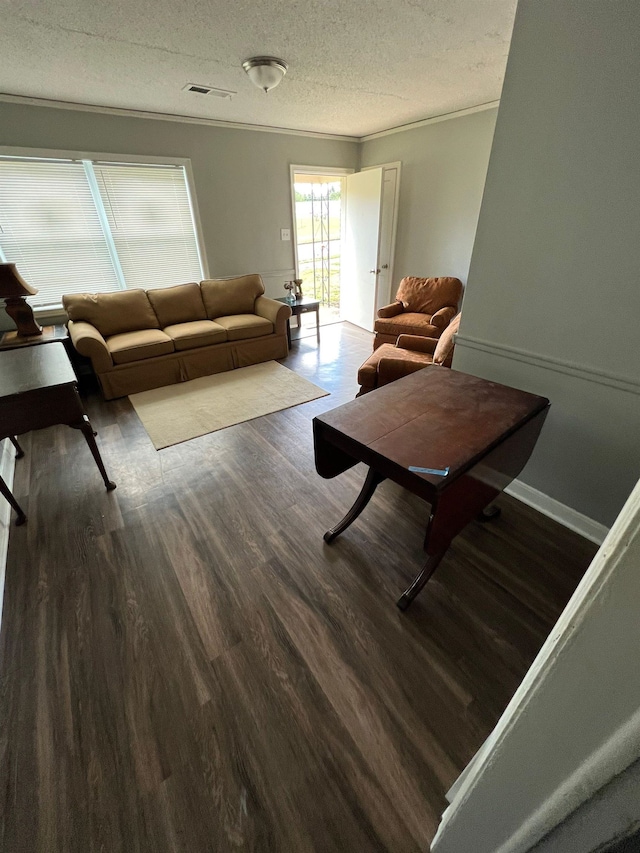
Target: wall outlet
285,233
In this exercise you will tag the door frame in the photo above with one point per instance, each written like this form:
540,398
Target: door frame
329,171
396,164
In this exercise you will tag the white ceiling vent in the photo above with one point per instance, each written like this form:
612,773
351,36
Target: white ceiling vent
199,89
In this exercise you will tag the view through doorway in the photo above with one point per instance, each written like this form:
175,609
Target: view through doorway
318,202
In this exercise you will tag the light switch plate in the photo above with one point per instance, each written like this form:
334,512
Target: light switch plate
285,233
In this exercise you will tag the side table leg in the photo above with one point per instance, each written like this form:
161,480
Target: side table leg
370,485
318,324
489,513
6,493
429,568
289,331
87,431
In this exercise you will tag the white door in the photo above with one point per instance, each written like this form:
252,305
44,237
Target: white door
358,291
387,235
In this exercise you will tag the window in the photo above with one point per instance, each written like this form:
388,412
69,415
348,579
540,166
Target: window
77,225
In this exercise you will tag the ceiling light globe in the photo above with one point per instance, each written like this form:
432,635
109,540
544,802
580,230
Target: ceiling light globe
265,72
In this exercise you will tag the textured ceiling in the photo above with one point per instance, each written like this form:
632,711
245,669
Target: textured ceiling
355,66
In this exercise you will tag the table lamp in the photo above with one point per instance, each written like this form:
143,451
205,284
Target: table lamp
14,290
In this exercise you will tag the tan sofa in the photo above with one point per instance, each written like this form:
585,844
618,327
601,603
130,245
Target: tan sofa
139,339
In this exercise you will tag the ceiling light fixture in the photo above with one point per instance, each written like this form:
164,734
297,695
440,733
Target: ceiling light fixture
265,71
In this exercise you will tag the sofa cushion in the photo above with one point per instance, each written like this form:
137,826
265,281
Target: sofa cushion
223,297
134,346
407,324
198,333
179,304
112,313
242,326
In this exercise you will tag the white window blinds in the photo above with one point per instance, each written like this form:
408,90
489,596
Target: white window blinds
50,228
149,214
74,226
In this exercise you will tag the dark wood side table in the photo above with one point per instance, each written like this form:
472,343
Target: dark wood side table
50,334
482,432
301,306
39,389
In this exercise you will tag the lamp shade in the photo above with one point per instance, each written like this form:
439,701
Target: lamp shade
265,72
12,283
14,290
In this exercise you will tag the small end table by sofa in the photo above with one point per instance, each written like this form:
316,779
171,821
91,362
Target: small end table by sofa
301,306
50,334
39,389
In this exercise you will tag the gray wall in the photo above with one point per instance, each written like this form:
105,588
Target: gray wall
552,303
444,166
242,177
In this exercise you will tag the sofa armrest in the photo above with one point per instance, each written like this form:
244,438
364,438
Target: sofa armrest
274,311
417,343
89,342
443,317
391,310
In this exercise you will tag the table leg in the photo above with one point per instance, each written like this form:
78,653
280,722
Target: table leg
370,485
289,331
87,431
429,568
6,493
489,513
318,324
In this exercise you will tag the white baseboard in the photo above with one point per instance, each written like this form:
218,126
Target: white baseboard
7,466
565,515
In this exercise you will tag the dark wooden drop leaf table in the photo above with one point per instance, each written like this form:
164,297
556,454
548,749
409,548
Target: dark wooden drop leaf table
435,418
39,389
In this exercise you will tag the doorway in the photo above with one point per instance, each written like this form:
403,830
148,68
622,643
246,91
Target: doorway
344,233
318,217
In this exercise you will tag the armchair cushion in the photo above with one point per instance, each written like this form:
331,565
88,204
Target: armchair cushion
407,323
429,295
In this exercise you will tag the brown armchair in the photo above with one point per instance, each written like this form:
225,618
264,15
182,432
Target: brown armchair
423,306
411,352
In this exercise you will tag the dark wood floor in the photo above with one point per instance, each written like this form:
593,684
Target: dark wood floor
186,666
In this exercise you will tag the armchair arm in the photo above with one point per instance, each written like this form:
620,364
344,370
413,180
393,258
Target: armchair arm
443,317
390,369
391,310
417,343
274,311
89,342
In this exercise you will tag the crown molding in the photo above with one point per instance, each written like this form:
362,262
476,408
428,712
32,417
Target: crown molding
182,119
479,108
234,125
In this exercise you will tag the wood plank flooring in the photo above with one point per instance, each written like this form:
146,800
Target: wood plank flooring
186,666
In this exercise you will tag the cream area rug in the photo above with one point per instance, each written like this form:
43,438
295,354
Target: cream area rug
177,413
